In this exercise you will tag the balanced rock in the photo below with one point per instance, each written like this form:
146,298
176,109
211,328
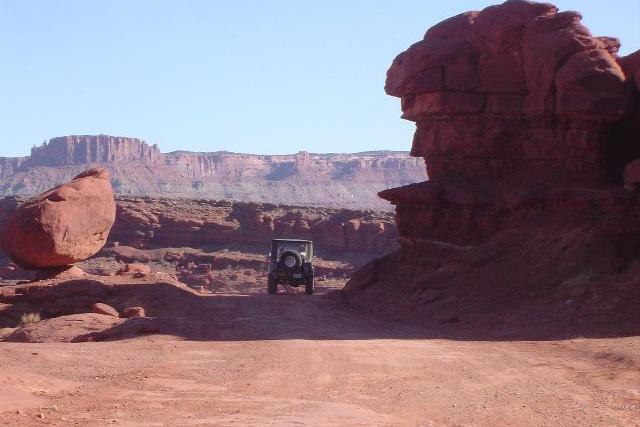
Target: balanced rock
67,224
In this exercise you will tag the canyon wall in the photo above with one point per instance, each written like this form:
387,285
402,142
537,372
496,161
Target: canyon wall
153,223
338,180
147,222
10,165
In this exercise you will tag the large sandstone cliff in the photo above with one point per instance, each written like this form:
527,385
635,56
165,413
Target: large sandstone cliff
340,180
509,103
525,122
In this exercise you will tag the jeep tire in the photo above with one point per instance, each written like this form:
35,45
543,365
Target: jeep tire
272,285
309,286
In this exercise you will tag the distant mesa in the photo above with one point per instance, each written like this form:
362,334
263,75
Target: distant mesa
83,149
140,169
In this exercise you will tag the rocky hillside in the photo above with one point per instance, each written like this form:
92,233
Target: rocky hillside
139,169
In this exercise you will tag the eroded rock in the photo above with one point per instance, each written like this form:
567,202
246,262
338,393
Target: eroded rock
513,106
133,312
64,328
65,225
516,91
106,309
135,269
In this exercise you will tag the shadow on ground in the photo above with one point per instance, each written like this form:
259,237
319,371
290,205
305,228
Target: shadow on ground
178,311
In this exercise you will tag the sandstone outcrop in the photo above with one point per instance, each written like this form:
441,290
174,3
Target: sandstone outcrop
509,102
64,328
525,122
138,168
149,223
517,92
65,309
64,225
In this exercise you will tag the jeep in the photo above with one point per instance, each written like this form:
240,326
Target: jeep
291,262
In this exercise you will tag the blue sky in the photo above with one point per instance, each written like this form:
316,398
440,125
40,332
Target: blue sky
250,76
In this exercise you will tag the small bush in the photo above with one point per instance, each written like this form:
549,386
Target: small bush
19,186
30,318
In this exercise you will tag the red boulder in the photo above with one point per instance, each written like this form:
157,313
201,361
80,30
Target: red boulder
67,224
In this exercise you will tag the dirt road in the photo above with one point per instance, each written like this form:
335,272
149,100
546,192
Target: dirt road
293,359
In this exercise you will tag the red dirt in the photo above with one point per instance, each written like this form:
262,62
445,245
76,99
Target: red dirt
294,359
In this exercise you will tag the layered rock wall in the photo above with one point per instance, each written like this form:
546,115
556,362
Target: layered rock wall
517,91
224,166
145,222
513,106
85,149
10,165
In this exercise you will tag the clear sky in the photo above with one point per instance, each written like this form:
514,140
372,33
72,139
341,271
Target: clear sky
252,76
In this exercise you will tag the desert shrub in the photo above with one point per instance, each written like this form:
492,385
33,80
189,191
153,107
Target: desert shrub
19,186
30,318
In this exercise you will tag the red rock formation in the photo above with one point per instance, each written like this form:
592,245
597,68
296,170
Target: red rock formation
524,120
514,98
156,223
631,66
64,225
175,223
517,91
